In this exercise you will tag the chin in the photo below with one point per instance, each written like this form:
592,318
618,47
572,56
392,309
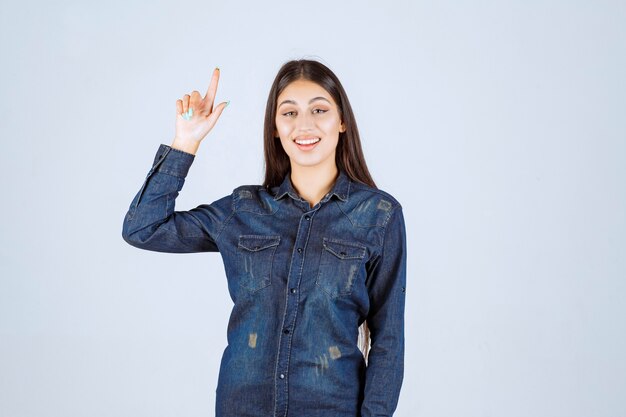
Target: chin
310,162
304,163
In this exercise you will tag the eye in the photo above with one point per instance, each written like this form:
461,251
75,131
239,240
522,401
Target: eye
321,110
286,114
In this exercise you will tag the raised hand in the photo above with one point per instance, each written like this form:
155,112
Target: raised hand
195,116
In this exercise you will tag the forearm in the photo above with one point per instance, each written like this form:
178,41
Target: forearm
149,222
383,379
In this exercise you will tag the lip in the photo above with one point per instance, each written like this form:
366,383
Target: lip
307,147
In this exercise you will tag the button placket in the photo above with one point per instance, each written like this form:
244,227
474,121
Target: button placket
291,308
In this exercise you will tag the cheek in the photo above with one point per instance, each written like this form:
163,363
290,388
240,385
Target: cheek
287,149
283,128
330,124
284,141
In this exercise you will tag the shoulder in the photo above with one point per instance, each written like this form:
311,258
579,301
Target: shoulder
253,198
381,195
370,206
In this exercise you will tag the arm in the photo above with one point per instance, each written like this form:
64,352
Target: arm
151,222
386,285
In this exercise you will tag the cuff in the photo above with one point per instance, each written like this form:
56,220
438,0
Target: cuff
172,161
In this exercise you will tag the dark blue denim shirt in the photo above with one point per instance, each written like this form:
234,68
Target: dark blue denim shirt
302,280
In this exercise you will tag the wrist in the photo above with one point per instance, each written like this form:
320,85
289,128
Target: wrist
185,145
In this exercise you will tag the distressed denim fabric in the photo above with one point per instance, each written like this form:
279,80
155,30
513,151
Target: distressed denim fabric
302,280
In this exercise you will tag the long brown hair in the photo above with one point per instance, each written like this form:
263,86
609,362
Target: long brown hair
348,155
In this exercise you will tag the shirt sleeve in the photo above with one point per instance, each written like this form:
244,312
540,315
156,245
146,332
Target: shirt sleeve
151,222
386,285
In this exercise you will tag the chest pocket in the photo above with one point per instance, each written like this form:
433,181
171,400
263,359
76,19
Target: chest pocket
256,253
339,266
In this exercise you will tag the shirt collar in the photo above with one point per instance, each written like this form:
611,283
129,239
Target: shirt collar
341,188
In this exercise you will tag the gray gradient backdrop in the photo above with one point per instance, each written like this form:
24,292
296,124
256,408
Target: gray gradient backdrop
500,126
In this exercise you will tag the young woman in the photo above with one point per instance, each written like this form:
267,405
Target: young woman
315,257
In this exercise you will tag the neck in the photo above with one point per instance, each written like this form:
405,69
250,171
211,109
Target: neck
312,183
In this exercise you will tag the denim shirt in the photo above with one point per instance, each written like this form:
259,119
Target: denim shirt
302,280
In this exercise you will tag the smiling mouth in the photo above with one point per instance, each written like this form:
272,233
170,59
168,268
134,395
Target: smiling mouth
307,141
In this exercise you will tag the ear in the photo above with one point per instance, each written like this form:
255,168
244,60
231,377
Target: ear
342,128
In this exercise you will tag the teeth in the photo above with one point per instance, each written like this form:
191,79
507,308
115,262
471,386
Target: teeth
307,141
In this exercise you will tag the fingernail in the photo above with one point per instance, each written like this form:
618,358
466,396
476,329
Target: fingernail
217,68
227,103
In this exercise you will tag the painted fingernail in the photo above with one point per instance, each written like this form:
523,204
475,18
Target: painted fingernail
217,68
227,103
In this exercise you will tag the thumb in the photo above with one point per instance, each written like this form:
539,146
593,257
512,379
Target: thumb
217,112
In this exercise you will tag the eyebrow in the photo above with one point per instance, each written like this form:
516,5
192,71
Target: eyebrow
310,101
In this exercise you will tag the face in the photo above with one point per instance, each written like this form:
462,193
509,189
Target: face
307,111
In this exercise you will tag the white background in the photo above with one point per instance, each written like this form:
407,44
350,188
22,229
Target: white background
499,126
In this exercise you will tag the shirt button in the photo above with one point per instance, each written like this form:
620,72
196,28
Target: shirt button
307,217
282,376
286,331
299,250
293,290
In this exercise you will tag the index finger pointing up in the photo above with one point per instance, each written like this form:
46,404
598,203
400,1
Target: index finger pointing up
210,94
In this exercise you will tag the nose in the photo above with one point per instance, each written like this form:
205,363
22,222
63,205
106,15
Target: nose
305,122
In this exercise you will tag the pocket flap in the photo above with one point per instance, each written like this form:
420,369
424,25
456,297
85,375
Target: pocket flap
343,249
257,242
